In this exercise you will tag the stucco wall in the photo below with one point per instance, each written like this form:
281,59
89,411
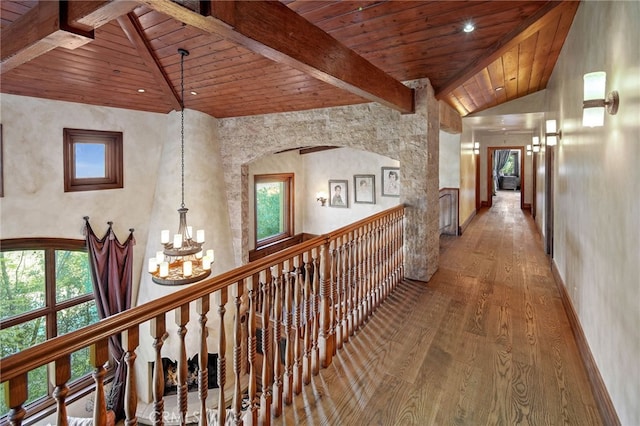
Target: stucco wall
597,208
35,204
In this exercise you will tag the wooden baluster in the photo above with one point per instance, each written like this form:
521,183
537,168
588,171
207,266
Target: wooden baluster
276,275
315,318
99,355
158,330
308,329
202,309
60,372
182,318
130,341
353,283
252,348
359,278
345,288
367,271
326,340
287,319
369,260
265,398
336,300
237,355
297,324
221,299
15,395
375,278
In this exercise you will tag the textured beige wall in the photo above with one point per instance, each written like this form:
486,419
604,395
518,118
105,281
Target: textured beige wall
35,204
597,207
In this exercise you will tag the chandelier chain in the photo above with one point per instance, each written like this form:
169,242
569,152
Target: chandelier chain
182,55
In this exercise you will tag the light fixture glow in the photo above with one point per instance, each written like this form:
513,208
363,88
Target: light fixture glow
476,148
536,144
141,90
594,100
468,27
528,149
552,133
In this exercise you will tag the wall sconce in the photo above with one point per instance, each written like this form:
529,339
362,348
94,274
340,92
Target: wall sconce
476,148
594,103
552,134
528,149
321,198
536,144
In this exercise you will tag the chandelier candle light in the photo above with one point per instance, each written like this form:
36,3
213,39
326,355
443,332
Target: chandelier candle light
183,260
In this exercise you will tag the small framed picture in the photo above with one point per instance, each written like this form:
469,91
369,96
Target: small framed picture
364,187
338,193
390,181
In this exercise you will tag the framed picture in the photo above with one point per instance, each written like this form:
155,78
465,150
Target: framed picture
390,181
338,193
364,187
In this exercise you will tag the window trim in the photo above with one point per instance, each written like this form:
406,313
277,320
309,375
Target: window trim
288,180
79,386
113,166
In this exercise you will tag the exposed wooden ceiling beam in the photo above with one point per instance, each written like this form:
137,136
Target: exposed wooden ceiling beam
134,32
51,24
523,31
271,29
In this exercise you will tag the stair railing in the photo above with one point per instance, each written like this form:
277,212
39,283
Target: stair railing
306,302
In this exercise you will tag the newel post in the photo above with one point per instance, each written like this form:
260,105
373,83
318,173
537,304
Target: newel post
326,338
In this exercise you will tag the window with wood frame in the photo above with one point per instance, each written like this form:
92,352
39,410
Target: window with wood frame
45,291
92,160
273,200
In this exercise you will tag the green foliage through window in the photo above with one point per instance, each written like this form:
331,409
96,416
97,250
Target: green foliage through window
273,207
24,287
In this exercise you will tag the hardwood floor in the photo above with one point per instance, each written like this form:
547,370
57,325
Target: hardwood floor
486,341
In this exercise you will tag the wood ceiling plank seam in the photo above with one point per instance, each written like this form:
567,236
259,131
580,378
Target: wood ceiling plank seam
502,20
100,57
93,98
546,36
383,15
563,29
486,87
510,61
249,15
473,91
464,98
200,45
135,33
310,7
526,52
65,63
526,27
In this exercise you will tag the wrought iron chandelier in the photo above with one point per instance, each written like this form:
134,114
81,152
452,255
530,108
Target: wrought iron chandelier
182,261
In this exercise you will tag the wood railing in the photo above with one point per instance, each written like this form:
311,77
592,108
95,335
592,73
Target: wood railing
310,299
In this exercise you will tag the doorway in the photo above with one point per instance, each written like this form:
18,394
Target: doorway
491,165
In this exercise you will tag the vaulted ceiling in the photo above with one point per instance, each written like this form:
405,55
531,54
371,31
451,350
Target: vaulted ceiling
256,57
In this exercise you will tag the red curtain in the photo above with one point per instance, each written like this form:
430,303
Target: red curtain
111,264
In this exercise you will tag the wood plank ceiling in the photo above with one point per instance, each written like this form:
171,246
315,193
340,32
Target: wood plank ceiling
259,57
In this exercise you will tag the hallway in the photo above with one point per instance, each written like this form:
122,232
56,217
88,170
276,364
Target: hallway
486,341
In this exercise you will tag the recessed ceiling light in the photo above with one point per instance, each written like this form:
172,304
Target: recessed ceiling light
499,88
193,92
468,27
141,90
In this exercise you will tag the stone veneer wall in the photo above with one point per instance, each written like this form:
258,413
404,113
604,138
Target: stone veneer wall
410,138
